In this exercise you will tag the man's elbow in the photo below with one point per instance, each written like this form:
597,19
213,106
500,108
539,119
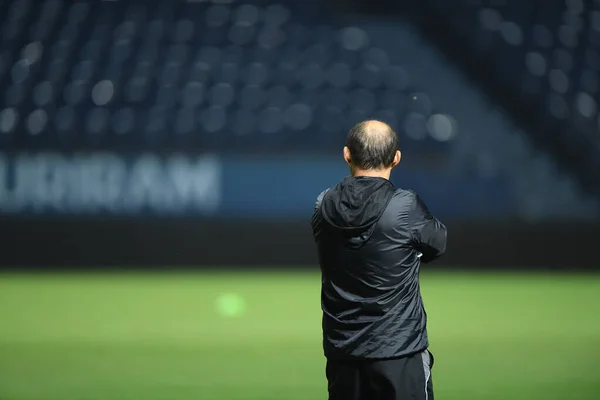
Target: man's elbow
437,246
443,239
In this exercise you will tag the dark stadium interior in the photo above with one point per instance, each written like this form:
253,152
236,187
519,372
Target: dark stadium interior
194,136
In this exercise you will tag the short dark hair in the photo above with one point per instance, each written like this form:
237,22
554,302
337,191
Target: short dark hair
372,145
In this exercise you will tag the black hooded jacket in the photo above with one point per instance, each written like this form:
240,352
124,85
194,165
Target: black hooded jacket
371,239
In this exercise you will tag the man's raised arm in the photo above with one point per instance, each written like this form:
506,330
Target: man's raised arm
428,232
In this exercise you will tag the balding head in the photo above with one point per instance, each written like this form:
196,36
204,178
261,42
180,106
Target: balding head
372,145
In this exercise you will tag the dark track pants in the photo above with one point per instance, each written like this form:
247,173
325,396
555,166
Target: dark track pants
407,378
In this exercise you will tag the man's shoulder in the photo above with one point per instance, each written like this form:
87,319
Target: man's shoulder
404,197
322,194
320,197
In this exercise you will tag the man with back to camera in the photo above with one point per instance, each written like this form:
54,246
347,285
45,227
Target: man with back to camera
371,239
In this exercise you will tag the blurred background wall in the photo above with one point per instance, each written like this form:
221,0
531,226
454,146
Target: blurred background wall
199,133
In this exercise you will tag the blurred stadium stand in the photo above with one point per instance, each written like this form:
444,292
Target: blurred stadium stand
265,91
539,60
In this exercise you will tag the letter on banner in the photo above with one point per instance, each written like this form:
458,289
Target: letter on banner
197,183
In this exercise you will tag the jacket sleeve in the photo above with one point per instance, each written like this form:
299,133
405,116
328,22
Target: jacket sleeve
316,216
428,233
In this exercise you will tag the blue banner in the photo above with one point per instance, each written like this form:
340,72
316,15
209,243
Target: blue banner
105,184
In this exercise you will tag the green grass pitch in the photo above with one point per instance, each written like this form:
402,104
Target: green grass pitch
150,337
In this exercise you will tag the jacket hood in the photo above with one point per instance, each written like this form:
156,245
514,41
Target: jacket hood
353,207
